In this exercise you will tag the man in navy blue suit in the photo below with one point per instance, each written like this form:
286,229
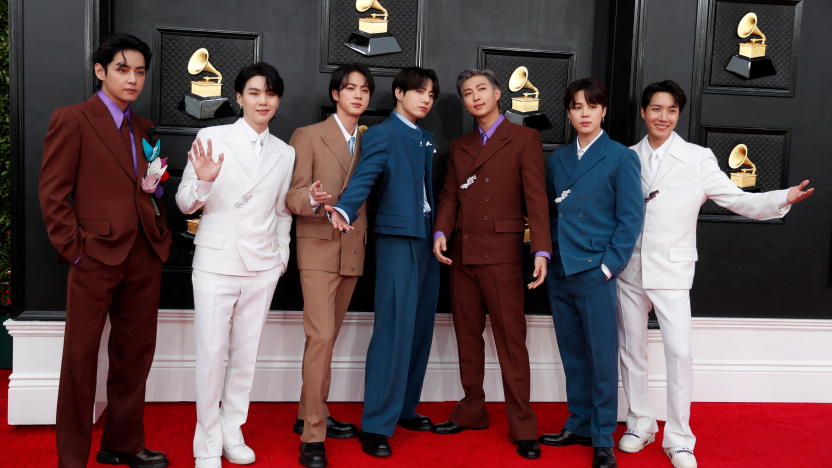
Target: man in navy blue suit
596,212
396,158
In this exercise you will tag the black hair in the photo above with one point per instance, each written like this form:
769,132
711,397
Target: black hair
666,86
118,42
415,78
339,78
472,72
274,82
594,92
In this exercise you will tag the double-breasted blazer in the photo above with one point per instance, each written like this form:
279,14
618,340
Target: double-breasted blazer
321,153
483,219
90,197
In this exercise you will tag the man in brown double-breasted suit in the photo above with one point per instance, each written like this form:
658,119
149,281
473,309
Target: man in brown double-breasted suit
330,262
101,221
494,179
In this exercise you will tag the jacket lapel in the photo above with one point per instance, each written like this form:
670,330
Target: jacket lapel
268,159
594,155
499,139
669,161
102,123
140,132
333,139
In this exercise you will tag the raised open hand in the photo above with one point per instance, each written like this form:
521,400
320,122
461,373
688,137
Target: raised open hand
206,169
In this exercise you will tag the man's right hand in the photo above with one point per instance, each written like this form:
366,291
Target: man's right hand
338,221
204,166
439,246
317,194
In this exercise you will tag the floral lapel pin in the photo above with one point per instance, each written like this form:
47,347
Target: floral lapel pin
651,196
156,172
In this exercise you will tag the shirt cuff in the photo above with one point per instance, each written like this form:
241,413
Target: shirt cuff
438,234
203,189
77,259
784,199
606,271
312,202
344,214
543,253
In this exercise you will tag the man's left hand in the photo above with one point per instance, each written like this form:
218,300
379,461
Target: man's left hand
540,265
797,194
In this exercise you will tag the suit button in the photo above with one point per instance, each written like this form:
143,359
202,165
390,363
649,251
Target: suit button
465,236
488,179
485,255
581,197
467,217
485,218
355,251
486,198
352,269
560,215
589,260
583,233
581,215
469,198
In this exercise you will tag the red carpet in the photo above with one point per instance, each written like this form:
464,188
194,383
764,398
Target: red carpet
729,435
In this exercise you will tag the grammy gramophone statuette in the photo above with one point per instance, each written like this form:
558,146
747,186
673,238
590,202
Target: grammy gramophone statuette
745,178
371,37
525,109
751,61
205,100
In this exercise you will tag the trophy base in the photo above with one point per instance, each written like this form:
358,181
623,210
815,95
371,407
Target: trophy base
750,68
536,120
373,44
203,108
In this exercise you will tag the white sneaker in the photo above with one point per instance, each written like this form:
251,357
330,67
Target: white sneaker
681,457
208,462
634,441
240,454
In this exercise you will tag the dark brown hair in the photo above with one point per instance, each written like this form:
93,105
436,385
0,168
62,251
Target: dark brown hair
594,92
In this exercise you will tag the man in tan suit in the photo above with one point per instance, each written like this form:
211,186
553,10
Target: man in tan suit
330,262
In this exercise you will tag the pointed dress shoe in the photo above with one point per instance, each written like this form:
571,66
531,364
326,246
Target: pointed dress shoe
449,427
312,455
564,438
145,459
334,429
603,457
374,444
419,423
528,449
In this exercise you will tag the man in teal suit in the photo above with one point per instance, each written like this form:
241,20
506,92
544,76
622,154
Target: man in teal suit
596,212
396,158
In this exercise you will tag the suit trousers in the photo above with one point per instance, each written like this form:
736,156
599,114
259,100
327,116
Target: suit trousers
407,288
326,296
230,312
129,293
583,309
497,289
672,308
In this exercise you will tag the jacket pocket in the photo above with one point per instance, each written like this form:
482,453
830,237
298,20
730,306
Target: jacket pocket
509,225
212,240
686,254
315,230
100,227
391,220
599,242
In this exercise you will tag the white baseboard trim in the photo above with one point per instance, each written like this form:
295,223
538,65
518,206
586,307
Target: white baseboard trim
735,360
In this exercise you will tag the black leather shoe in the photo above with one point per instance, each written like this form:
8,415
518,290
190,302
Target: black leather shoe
145,459
448,427
528,449
334,429
312,455
564,438
419,423
603,457
375,444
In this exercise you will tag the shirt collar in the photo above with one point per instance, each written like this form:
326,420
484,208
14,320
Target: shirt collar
583,151
490,132
407,122
115,110
347,136
252,134
660,151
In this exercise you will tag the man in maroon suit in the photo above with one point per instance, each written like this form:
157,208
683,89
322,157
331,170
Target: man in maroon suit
494,179
101,221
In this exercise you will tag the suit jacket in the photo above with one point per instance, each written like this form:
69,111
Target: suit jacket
598,220
91,199
321,153
396,162
484,222
665,255
245,222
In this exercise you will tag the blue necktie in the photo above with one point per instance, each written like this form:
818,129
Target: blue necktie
352,145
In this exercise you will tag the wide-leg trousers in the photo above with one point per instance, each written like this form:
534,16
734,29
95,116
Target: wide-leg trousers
229,315
407,288
672,308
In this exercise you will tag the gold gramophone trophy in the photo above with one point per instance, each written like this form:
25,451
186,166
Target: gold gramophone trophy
751,61
371,37
525,109
205,101
745,178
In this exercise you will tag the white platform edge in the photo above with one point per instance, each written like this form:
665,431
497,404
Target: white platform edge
735,360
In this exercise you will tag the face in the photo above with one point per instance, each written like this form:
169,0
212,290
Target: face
480,96
415,104
123,79
354,97
661,116
586,117
259,104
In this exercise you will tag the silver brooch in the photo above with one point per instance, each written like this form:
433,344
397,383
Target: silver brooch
468,182
563,196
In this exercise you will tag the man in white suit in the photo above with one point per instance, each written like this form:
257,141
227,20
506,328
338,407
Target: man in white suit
242,248
677,177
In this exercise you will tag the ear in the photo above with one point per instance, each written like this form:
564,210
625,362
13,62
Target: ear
399,94
100,71
641,111
240,100
336,95
603,112
498,93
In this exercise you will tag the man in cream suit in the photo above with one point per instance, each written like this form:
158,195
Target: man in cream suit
330,262
238,175
676,178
